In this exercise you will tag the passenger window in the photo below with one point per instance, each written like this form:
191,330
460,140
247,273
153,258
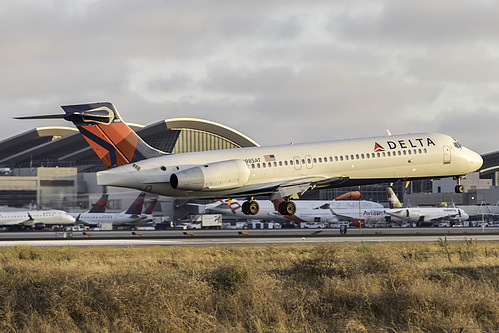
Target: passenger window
388,153
286,163
399,153
404,152
419,150
409,152
264,165
378,154
320,159
302,161
336,158
368,155
346,157
362,156
425,151
351,157
252,166
341,158
373,155
315,160
258,165
275,164
357,156
291,162
280,163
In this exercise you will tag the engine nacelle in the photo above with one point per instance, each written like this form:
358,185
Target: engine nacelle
212,176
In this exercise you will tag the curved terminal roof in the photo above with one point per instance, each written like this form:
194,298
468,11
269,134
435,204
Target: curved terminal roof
64,146
215,128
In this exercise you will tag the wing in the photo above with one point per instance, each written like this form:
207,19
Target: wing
342,216
301,185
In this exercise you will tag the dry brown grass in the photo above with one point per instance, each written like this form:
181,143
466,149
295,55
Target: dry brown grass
439,287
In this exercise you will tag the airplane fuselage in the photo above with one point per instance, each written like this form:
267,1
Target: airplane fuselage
35,216
115,219
263,170
429,214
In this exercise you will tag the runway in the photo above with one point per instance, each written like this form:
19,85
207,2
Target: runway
231,238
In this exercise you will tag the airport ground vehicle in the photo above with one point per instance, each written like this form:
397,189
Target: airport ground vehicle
205,221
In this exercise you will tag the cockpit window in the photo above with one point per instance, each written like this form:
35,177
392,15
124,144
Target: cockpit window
457,144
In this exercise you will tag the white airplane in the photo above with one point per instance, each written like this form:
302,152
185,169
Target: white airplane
31,217
132,216
279,171
422,215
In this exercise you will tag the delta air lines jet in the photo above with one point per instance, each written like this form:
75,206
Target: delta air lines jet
280,171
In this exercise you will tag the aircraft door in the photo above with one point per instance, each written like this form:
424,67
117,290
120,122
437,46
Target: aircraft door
297,163
447,155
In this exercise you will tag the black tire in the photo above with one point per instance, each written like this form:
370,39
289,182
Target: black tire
245,208
289,208
460,189
253,208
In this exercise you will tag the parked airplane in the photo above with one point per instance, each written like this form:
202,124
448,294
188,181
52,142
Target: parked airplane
133,215
31,217
422,215
279,171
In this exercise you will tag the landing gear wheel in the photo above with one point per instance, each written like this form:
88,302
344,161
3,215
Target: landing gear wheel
253,208
250,207
245,208
459,189
287,208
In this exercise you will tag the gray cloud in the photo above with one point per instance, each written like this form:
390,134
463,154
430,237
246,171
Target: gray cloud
278,71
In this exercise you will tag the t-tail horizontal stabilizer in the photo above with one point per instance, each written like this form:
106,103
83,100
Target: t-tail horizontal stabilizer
111,139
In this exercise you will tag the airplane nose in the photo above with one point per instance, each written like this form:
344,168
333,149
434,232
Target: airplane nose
477,160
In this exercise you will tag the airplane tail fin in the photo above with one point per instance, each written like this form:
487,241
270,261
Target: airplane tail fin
150,206
100,205
112,140
392,198
136,207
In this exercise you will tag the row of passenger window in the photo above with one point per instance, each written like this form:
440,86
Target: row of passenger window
341,158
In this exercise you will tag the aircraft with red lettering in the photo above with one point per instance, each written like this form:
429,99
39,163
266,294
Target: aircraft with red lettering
280,171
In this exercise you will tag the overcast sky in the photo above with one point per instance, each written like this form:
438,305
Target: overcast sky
277,71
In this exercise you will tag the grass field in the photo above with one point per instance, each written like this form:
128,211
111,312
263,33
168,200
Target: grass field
431,287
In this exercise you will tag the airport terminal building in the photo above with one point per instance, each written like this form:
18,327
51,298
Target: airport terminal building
54,167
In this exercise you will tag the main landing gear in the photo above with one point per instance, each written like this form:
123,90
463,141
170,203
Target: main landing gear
287,207
459,188
250,207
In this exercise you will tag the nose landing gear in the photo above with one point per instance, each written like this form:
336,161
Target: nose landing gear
459,188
